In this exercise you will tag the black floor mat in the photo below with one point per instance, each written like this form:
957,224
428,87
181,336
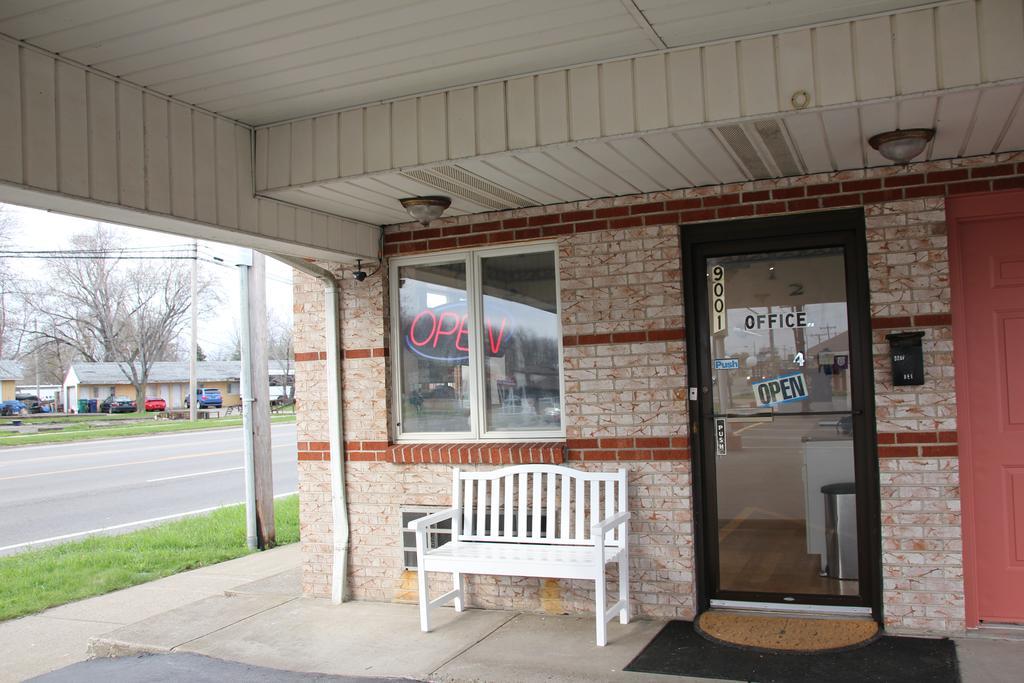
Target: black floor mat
679,651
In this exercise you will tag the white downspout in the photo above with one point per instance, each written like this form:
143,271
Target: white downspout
335,422
336,435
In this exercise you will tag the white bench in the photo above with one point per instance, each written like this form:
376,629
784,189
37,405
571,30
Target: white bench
531,520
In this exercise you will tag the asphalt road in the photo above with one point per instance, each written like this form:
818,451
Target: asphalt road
172,668
63,491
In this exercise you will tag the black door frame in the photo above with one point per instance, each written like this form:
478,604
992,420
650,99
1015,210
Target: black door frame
841,228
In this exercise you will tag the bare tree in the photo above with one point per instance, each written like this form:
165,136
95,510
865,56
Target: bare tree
106,307
281,348
8,223
84,304
51,357
232,350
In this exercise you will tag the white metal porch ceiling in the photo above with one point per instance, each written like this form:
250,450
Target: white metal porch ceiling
968,122
261,61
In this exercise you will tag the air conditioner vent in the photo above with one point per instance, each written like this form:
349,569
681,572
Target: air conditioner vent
762,148
744,150
775,141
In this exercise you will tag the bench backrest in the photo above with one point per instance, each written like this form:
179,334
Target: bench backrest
536,504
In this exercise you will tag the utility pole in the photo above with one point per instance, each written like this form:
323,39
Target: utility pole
192,380
245,387
255,379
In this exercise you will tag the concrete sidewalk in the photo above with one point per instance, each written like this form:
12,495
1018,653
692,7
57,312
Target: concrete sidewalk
33,645
249,610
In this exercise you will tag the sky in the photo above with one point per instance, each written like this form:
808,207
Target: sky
41,230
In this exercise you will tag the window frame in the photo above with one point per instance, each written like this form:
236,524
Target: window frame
472,258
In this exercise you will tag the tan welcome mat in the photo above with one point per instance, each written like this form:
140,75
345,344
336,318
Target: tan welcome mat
785,634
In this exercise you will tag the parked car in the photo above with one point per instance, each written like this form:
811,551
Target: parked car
118,404
13,407
207,398
155,404
31,401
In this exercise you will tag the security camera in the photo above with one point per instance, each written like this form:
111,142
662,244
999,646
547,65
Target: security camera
359,274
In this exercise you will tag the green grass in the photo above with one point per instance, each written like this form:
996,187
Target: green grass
84,432
43,418
38,579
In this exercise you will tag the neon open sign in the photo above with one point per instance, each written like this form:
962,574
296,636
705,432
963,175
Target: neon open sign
442,333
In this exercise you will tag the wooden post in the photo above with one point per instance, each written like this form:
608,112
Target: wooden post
262,462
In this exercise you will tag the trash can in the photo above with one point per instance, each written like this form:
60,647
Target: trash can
83,405
92,405
841,530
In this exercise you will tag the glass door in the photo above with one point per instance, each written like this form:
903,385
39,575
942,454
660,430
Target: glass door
781,424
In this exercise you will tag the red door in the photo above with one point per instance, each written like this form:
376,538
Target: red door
987,255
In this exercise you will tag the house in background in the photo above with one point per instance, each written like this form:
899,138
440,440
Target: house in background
10,373
167,380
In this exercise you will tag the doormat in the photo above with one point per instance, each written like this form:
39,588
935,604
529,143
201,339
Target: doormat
678,650
769,633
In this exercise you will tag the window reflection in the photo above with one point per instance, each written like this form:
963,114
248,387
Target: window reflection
434,342
520,342
785,319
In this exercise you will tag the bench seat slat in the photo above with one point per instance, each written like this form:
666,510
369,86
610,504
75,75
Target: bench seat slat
521,530
550,512
516,559
495,507
467,520
481,507
581,507
508,506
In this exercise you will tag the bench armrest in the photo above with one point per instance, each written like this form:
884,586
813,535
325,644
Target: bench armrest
422,523
598,531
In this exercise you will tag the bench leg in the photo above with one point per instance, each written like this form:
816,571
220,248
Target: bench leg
600,607
460,586
624,589
421,584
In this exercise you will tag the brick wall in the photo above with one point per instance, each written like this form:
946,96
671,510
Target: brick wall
625,371
922,561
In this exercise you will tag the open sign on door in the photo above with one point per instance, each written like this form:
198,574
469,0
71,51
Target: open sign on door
778,390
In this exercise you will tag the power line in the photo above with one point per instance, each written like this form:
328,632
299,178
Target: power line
97,257
139,254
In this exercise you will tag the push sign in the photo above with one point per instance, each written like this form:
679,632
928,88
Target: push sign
721,437
779,390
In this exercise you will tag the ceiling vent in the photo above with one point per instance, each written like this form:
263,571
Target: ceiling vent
762,148
458,182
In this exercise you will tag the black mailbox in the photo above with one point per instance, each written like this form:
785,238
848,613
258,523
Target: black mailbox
907,358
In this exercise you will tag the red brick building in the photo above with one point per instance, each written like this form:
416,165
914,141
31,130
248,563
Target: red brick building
674,245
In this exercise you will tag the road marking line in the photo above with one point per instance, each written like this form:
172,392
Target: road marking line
75,455
193,474
107,467
122,439
125,464
128,524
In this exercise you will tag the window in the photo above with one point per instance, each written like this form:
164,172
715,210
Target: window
457,379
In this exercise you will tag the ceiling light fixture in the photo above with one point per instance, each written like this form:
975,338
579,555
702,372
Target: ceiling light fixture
902,145
425,209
